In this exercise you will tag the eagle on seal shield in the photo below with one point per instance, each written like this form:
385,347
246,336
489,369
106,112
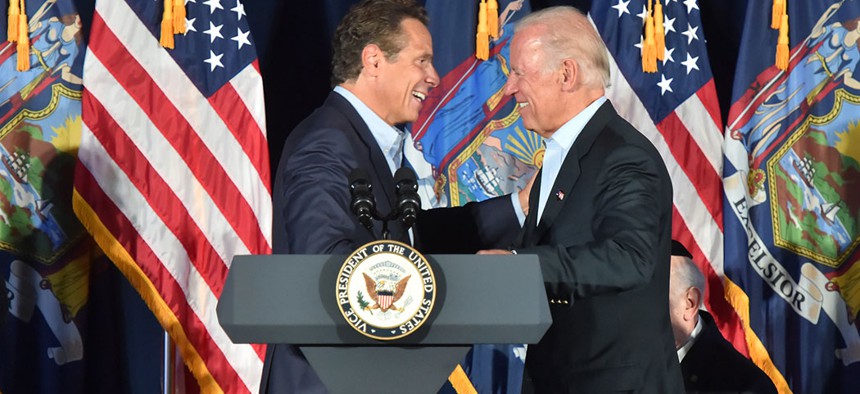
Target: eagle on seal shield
384,294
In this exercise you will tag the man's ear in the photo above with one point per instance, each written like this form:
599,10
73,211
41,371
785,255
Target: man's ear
371,59
693,300
569,74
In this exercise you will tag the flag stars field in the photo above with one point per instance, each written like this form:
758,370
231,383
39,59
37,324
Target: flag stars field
214,61
621,6
667,55
644,14
241,38
669,24
665,84
691,33
690,63
213,4
189,26
239,9
213,32
691,5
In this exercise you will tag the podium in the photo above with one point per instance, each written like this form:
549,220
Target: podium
291,299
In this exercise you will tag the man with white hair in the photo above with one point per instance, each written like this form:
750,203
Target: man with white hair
709,363
600,219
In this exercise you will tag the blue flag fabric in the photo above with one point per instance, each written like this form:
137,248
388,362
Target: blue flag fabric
46,260
792,215
469,144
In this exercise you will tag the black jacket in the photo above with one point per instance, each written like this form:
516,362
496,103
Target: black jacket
714,366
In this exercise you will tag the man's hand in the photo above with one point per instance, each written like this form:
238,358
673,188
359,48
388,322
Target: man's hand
495,251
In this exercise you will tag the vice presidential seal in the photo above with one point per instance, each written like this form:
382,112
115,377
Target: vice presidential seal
386,290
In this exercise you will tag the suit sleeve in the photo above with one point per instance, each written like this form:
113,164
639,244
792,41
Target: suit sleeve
488,224
632,193
312,208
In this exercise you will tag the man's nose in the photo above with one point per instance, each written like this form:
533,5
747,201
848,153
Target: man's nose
432,77
510,86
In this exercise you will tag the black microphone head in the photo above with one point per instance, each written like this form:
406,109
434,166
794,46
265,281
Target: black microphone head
358,175
408,200
405,174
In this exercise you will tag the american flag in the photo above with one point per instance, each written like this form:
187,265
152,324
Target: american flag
173,176
677,109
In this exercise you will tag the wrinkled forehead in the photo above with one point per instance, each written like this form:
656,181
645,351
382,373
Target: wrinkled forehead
527,49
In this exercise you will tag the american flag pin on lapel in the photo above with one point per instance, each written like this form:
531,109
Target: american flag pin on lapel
559,195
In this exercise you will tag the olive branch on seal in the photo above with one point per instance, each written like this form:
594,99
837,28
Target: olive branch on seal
362,302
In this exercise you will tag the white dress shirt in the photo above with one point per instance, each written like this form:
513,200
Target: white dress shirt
683,350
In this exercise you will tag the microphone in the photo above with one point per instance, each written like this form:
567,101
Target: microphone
408,200
363,203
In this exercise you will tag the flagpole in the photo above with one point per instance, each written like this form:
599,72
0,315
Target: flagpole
167,364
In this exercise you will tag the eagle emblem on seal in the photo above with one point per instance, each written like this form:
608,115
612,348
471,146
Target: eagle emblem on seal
385,292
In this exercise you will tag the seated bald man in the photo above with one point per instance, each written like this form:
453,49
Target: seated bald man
709,363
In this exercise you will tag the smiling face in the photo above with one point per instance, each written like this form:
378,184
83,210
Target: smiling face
406,78
536,86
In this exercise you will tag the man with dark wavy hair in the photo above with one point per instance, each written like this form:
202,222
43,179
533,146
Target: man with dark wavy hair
382,72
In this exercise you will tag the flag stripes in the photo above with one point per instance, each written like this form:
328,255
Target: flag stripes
179,122
173,181
689,138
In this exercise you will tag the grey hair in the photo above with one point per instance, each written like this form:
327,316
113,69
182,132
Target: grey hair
568,34
686,274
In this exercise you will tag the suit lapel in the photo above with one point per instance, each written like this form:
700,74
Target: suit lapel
569,172
377,158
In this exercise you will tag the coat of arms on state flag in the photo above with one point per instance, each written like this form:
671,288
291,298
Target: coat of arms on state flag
791,176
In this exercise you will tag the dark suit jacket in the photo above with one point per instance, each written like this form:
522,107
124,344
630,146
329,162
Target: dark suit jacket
712,365
604,250
312,214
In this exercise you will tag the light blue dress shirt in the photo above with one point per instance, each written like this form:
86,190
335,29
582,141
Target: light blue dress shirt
389,138
557,147
390,141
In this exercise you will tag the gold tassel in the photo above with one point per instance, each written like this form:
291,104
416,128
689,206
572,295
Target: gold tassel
179,17
12,29
778,11
167,25
482,44
493,18
659,34
782,45
23,40
649,47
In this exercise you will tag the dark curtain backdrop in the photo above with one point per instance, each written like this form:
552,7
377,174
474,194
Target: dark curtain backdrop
293,43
